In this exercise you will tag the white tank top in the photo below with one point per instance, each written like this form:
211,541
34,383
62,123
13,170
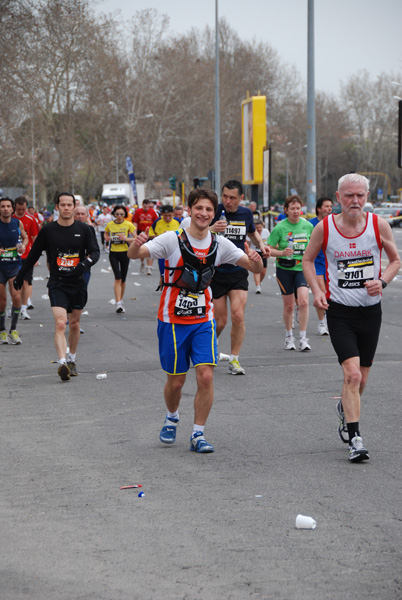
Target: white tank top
350,261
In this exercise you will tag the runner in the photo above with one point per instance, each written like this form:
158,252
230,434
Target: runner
186,325
288,241
323,208
231,281
71,250
13,240
143,218
101,221
264,234
352,243
119,233
31,228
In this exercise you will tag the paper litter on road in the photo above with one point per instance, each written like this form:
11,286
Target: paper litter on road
38,278
45,297
138,284
104,271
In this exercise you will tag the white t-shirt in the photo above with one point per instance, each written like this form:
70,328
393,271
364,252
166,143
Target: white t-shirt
103,220
264,236
185,223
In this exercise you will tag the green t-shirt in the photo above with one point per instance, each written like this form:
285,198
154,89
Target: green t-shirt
279,238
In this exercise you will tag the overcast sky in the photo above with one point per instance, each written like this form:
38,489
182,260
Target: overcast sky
350,35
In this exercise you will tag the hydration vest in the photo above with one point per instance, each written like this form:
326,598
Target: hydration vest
196,272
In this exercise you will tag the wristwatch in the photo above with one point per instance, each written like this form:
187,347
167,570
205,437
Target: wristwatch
384,284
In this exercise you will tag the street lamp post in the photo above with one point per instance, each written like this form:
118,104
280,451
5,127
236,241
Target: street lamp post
217,124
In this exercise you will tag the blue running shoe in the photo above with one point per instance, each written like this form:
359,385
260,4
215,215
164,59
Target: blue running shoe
168,431
199,444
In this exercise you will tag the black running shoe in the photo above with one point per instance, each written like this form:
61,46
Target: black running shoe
72,368
63,372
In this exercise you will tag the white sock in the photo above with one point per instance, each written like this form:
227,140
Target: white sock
198,428
303,334
320,322
24,306
234,357
62,361
173,415
289,333
71,357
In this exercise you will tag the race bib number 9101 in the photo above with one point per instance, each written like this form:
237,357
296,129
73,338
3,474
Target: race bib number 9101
354,272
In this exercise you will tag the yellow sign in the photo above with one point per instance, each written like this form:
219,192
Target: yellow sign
254,138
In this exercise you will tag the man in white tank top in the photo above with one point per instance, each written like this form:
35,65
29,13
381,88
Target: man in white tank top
352,243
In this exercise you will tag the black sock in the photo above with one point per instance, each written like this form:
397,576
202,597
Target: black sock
15,313
3,321
353,430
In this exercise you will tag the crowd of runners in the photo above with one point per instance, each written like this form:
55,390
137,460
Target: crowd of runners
205,252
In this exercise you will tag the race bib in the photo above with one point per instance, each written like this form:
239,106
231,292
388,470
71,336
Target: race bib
190,304
300,242
67,262
9,254
354,272
115,239
236,230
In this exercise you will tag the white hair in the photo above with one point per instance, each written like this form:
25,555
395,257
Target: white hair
354,178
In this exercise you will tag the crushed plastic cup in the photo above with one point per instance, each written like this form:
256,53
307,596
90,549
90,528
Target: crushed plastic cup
112,301
141,495
45,297
305,522
104,271
223,356
101,376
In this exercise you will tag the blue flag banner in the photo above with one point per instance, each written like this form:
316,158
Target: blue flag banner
131,176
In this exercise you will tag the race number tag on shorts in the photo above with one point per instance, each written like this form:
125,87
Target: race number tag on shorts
67,262
236,230
190,304
354,272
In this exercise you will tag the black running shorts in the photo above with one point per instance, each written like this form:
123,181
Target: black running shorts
224,281
354,331
70,298
290,281
119,262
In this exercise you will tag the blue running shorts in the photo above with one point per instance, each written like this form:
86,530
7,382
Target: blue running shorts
178,344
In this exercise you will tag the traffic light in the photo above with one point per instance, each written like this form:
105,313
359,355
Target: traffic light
199,181
172,182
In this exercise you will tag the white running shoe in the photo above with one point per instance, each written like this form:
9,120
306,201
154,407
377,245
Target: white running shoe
30,306
304,346
24,315
120,307
322,330
258,289
290,343
357,451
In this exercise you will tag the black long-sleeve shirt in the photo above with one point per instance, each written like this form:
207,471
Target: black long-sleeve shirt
65,247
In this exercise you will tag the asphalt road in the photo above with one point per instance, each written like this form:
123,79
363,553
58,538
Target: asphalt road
213,527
